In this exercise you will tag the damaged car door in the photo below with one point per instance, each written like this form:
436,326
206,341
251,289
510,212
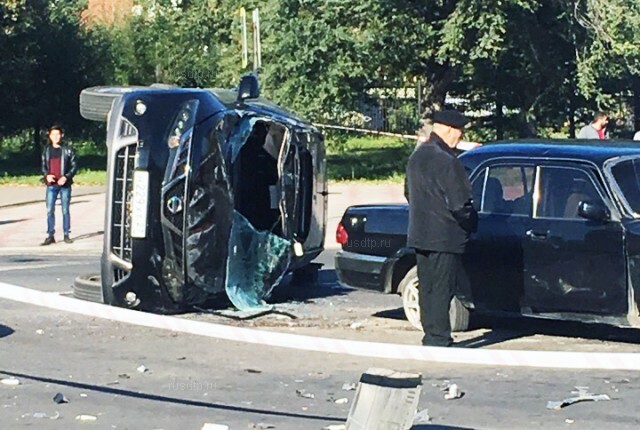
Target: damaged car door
574,260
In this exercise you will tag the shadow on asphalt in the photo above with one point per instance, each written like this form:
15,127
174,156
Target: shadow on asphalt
438,427
12,221
503,329
88,235
168,399
5,331
288,291
327,286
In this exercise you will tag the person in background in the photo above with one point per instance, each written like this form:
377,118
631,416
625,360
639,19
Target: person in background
58,168
597,129
441,217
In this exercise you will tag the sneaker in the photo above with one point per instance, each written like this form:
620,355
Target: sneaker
48,241
67,239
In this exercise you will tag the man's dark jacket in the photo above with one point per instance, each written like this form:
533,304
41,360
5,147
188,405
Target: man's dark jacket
441,213
68,164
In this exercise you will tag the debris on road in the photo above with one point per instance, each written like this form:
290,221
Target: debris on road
86,418
453,392
303,393
253,371
385,396
356,325
142,368
335,427
181,358
261,426
10,381
341,401
569,421
422,417
83,395
39,415
582,396
56,416
39,331
124,376
60,398
349,386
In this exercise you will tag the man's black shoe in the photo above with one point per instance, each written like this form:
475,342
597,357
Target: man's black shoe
48,241
67,239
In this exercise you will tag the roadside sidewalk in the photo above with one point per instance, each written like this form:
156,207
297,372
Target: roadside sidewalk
23,216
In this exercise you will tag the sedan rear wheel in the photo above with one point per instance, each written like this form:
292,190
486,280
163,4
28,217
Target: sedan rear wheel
408,288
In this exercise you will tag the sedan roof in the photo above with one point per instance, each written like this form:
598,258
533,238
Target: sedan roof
595,151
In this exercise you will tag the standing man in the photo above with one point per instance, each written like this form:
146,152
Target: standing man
441,217
595,130
58,168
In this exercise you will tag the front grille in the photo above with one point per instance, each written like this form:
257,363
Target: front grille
119,275
121,208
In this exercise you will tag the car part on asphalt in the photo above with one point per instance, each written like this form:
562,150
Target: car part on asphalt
385,399
88,287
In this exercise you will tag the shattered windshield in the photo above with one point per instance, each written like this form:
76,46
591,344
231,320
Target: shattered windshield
258,260
626,174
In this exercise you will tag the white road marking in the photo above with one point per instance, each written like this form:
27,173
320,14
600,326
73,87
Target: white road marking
19,266
491,357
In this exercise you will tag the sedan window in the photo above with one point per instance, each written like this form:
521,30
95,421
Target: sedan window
506,190
561,191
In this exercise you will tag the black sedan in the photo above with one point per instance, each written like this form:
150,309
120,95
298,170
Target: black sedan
558,235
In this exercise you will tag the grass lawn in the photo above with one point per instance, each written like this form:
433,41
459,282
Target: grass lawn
370,159
360,159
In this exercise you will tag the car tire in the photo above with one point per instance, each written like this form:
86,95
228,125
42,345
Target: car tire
88,287
408,289
95,102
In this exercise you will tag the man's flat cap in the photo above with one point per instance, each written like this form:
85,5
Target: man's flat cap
451,117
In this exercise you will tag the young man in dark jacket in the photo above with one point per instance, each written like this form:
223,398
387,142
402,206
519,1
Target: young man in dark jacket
441,217
58,168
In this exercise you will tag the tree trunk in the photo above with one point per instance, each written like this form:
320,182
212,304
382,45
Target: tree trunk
439,78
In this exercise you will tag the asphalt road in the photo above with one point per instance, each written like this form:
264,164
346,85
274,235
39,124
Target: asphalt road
193,380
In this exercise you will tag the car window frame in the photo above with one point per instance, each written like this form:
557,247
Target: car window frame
484,169
616,191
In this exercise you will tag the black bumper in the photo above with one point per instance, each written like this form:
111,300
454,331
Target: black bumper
363,271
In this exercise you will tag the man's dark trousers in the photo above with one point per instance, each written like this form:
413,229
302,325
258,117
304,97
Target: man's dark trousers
438,274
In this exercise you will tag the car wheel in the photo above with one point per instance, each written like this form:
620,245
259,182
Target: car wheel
88,287
95,102
408,288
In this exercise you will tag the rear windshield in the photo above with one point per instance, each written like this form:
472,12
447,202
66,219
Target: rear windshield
627,175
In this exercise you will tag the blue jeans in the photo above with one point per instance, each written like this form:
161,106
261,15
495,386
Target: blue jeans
65,198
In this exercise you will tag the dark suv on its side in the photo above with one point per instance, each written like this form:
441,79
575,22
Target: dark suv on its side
210,192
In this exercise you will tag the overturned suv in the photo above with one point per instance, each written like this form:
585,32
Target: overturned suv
210,192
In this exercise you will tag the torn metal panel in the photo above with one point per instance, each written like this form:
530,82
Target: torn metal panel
258,260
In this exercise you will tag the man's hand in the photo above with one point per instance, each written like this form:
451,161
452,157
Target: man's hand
51,179
62,181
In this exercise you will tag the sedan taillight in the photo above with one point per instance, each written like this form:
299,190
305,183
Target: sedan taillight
341,234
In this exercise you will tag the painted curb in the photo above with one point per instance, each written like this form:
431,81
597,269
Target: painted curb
487,357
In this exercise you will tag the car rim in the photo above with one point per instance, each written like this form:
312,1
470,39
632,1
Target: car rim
411,304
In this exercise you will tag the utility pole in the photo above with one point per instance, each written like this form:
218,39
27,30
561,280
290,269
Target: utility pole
257,45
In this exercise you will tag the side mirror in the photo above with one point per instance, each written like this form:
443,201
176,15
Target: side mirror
248,88
593,211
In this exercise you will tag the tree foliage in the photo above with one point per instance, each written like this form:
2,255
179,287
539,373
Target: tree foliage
533,65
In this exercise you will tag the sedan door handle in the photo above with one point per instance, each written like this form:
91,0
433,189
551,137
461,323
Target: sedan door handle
536,235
